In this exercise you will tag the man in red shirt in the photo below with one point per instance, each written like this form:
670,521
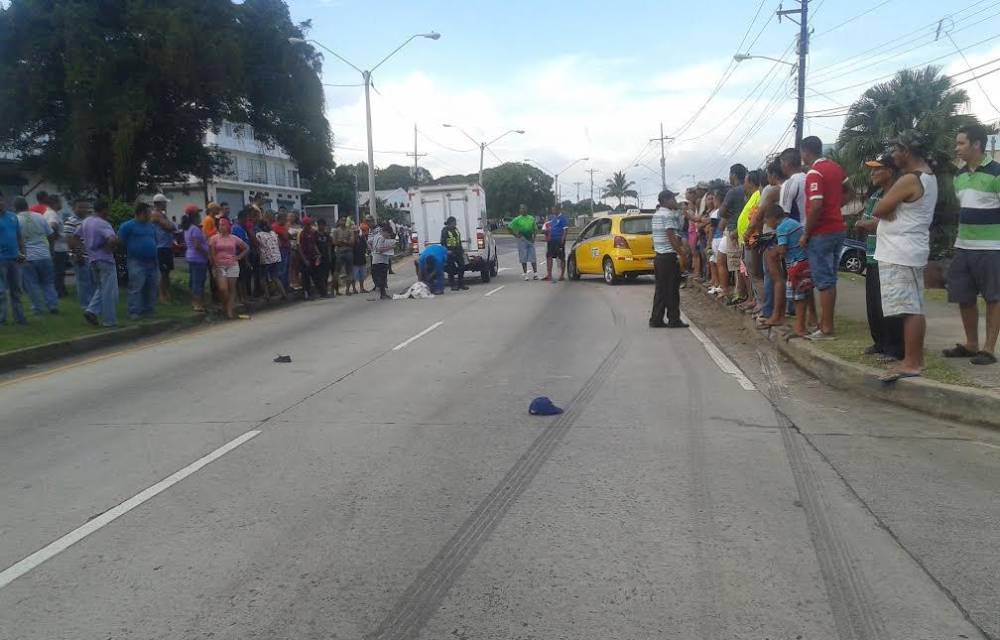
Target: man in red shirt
825,230
280,227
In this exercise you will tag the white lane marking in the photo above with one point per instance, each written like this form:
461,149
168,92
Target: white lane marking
418,336
49,551
721,359
489,293
501,269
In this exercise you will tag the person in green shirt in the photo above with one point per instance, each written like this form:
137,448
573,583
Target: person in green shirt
524,228
887,333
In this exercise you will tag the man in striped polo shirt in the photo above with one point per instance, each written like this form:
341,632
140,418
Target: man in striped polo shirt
975,269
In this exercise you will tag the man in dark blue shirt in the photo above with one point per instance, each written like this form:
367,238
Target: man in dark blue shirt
556,244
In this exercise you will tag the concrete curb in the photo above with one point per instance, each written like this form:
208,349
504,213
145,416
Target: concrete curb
64,348
947,401
51,351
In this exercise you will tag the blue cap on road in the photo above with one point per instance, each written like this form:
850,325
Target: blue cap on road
543,407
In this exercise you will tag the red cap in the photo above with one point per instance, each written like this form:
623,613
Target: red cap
307,220
191,208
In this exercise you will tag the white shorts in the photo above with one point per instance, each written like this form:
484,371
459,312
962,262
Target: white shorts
902,289
715,244
228,272
724,244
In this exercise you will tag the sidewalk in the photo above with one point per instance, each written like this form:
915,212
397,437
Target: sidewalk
944,329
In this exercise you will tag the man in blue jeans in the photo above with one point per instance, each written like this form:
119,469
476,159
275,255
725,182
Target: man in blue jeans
138,235
824,229
77,254
99,241
11,256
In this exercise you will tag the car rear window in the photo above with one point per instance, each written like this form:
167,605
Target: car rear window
639,225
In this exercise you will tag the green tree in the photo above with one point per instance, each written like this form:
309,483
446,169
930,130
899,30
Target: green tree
334,187
512,184
116,96
619,186
921,99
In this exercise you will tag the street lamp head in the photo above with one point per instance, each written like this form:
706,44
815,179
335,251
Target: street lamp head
433,35
521,131
740,57
296,41
448,125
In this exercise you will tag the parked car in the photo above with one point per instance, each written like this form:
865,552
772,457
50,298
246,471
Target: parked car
614,246
853,257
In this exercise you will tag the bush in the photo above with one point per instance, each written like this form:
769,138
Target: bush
120,212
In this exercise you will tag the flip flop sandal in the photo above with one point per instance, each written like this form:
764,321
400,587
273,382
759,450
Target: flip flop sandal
895,376
984,357
958,351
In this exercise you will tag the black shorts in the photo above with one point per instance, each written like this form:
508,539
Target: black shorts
165,260
555,250
974,272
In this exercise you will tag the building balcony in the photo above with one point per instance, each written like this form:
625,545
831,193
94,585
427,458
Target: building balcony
265,177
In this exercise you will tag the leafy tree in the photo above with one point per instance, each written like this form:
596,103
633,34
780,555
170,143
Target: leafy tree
921,99
116,95
334,187
512,184
619,186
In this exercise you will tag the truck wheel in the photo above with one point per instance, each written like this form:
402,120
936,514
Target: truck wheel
486,275
495,269
610,276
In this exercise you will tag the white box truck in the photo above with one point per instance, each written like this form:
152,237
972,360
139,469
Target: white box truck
430,206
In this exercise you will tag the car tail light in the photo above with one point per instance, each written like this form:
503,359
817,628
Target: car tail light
621,243
480,239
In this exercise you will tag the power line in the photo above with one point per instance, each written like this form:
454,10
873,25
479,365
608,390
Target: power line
851,19
969,65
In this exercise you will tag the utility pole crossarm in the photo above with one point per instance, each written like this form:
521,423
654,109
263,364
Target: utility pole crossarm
663,156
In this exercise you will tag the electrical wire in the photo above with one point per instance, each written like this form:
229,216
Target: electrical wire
850,20
969,65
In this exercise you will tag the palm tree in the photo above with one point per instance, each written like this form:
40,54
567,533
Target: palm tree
618,186
921,99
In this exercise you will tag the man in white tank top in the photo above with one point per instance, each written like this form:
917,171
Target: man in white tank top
905,214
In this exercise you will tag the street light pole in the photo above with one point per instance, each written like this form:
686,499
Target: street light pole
366,75
555,186
482,152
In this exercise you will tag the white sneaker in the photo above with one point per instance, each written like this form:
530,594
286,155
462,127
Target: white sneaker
527,277
713,290
534,276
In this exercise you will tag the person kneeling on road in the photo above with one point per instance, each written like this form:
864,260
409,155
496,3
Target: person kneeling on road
451,239
430,267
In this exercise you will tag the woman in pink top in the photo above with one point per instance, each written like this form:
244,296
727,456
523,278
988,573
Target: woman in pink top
227,251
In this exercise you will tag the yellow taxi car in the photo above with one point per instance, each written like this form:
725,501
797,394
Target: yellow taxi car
614,246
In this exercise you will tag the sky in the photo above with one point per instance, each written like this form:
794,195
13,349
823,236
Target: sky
596,80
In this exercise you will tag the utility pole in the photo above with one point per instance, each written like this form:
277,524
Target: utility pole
577,190
803,23
416,157
592,172
663,156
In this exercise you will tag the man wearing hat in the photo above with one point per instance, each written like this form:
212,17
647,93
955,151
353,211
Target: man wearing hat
165,230
887,333
905,213
667,224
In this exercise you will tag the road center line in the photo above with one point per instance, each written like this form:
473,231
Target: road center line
52,549
489,293
721,359
423,333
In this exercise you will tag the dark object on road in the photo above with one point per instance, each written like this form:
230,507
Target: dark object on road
543,407
283,359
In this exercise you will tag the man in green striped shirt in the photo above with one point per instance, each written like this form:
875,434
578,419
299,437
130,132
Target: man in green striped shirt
975,269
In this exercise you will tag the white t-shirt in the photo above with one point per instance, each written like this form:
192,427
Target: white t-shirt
56,222
906,240
714,215
793,196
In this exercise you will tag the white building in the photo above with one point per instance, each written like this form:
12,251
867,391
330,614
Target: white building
256,171
393,198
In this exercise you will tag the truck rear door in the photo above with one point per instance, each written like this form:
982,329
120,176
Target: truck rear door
458,206
433,214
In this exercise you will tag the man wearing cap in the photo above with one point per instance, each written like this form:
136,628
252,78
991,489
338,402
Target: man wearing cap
667,223
165,230
887,333
905,213
975,269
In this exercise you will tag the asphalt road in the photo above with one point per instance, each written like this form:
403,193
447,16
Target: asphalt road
385,485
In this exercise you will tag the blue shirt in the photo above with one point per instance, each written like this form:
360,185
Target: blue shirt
557,228
8,235
241,233
139,239
164,238
436,251
789,232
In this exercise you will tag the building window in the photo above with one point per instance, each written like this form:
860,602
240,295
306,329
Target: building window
257,170
293,178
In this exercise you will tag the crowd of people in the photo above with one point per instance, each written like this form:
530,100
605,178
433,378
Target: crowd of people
769,241
254,254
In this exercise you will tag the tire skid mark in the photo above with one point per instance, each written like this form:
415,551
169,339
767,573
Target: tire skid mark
427,591
850,595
